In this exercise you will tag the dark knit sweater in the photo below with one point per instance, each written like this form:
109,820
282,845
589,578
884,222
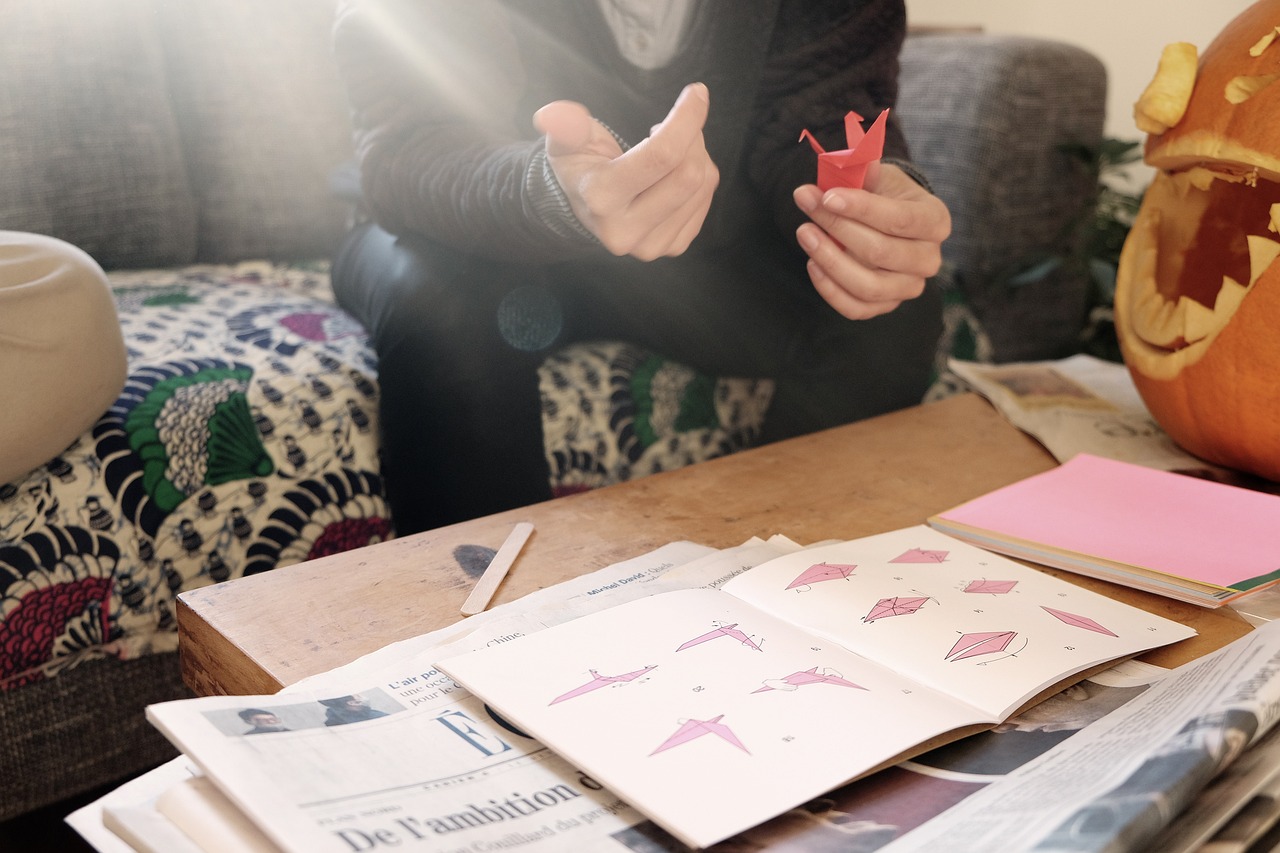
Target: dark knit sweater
443,94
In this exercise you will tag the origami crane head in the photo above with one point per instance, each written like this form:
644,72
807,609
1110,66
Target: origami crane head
848,168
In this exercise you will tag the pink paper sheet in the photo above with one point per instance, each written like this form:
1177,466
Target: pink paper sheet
1171,523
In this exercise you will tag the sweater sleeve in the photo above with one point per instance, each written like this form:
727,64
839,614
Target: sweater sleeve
434,91
827,57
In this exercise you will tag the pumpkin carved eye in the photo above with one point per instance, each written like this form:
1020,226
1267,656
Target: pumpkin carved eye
1198,286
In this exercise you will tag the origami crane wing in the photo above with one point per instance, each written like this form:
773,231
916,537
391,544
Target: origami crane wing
819,572
920,555
1079,621
898,606
808,676
991,587
693,729
597,681
722,631
848,168
980,643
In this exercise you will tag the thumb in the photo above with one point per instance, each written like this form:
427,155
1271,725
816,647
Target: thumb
567,126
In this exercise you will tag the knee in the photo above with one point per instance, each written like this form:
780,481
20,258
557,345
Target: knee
426,301
399,288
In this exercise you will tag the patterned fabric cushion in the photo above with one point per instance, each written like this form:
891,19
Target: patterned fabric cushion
612,412
245,439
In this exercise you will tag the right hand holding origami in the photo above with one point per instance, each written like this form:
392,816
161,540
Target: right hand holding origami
648,202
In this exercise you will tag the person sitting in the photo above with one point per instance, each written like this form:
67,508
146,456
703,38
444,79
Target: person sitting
537,174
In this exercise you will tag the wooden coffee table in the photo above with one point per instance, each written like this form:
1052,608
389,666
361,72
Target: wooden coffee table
257,634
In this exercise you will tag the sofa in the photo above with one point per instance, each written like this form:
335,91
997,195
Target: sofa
197,152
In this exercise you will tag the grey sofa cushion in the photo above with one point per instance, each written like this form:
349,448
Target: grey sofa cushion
107,142
264,123
987,117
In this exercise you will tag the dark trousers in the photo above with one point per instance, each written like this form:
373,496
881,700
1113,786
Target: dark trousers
459,341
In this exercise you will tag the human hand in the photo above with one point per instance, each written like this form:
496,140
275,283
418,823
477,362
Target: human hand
648,202
870,250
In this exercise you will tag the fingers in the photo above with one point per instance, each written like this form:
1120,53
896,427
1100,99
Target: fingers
856,290
870,251
843,301
648,202
667,147
567,125
678,204
873,248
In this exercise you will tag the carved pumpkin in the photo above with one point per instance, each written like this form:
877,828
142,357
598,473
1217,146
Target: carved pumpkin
1198,285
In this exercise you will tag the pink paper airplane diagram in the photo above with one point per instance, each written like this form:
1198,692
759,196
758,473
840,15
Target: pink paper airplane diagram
717,633
820,572
597,681
796,680
991,587
920,555
897,606
1078,621
848,168
980,643
693,729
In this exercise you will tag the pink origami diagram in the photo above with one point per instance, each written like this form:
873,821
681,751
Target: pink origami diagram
897,606
796,680
1078,621
980,643
722,631
597,681
848,168
693,729
820,572
991,587
920,555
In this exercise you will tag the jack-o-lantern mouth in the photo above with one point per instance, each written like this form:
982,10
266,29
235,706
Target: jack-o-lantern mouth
1195,262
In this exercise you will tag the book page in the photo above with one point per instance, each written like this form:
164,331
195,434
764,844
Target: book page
704,713
961,619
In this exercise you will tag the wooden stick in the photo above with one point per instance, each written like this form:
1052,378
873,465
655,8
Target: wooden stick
497,570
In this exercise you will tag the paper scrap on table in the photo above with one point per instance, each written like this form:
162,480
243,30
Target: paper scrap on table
848,168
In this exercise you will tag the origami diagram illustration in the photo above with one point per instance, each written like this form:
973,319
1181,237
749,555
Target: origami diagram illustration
980,643
848,168
822,572
597,681
1078,621
722,631
693,729
920,555
897,606
796,680
991,587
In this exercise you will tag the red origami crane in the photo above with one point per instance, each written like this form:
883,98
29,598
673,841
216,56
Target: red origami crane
848,168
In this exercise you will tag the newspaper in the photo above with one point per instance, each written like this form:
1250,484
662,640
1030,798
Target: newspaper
1076,405
1125,778
439,772
387,751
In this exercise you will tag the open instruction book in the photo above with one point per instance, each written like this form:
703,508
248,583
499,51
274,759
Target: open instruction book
711,711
